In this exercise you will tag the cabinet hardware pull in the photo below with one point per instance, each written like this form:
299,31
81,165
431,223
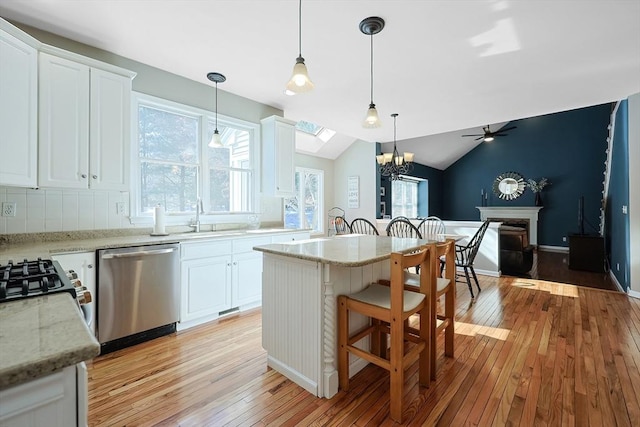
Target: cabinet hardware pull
95,176
84,175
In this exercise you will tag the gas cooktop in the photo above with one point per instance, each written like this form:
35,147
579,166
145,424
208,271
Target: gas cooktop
33,278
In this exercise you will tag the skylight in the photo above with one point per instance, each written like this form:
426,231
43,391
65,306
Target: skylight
308,127
320,132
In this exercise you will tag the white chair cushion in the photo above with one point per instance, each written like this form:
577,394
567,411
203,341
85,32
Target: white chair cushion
413,279
380,296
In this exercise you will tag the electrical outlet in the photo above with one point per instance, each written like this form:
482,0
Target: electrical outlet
8,209
564,238
120,208
618,266
625,209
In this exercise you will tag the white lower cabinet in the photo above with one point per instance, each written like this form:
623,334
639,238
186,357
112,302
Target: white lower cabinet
206,287
246,283
46,401
220,275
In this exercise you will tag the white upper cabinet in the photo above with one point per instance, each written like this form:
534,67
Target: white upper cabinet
278,149
18,110
110,130
84,125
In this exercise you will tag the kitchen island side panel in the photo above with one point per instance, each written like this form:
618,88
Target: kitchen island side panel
291,318
299,315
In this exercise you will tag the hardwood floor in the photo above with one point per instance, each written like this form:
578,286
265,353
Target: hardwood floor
528,352
554,266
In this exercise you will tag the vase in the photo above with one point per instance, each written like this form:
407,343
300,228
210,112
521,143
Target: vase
538,199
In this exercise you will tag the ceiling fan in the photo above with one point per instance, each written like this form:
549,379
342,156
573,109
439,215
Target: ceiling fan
489,136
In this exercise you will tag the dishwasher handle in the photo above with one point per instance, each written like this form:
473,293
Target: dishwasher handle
138,253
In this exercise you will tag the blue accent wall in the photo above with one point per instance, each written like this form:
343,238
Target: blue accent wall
568,148
617,227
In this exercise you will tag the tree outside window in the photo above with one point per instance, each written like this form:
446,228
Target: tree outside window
176,165
305,209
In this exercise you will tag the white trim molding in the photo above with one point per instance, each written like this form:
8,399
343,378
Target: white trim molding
516,212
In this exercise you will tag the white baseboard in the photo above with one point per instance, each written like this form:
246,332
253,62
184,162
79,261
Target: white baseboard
634,294
293,375
615,281
630,292
546,248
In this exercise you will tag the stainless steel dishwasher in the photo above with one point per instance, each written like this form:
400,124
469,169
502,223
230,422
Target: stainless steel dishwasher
138,294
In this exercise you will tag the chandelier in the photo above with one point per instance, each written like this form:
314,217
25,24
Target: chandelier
393,164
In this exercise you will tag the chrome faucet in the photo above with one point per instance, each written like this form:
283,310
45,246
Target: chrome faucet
195,224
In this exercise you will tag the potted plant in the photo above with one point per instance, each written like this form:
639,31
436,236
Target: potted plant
536,187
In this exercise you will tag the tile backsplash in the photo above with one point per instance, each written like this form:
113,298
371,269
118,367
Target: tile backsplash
45,210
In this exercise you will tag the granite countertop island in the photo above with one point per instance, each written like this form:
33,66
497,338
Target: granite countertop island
348,250
41,335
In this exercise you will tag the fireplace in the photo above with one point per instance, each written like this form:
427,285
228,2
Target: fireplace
518,216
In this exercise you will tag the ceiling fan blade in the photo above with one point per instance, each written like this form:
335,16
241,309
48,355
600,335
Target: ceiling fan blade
506,129
478,139
472,135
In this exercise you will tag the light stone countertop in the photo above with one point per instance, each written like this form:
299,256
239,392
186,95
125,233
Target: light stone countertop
349,250
44,249
41,335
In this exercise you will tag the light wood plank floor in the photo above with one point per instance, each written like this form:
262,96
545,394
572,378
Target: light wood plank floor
528,352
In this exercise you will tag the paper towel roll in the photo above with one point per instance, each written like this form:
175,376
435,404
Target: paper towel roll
158,226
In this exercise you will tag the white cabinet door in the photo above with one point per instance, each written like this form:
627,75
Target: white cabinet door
84,126
278,149
206,287
110,131
83,263
18,112
64,123
46,401
247,279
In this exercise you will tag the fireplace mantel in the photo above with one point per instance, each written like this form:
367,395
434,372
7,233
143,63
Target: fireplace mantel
516,212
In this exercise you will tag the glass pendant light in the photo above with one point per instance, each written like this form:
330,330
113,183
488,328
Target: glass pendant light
216,141
300,81
370,26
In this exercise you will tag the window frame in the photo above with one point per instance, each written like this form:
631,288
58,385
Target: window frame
204,117
407,179
321,222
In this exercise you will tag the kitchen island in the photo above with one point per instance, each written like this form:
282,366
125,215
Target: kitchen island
301,281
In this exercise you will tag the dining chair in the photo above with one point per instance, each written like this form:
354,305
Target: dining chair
431,227
341,225
465,256
402,227
389,307
363,226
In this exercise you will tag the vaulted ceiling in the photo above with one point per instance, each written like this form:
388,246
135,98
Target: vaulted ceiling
444,66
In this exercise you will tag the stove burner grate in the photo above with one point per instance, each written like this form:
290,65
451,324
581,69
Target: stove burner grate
32,278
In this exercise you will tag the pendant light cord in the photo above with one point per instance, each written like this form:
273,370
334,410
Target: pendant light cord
371,68
216,105
300,28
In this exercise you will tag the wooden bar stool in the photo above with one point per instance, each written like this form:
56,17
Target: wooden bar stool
444,320
389,307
